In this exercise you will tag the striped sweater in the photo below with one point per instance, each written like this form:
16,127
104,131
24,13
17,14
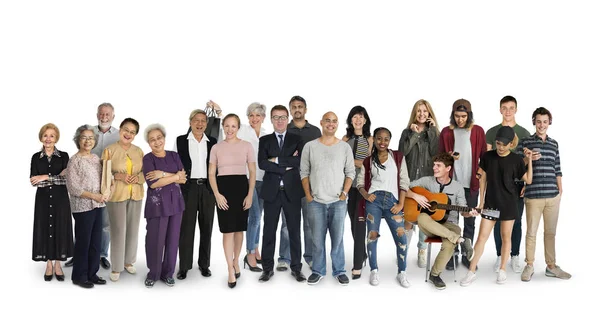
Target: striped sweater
545,169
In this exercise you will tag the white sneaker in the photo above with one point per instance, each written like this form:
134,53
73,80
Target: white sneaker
497,264
401,277
374,278
114,276
131,269
515,263
468,279
501,277
422,258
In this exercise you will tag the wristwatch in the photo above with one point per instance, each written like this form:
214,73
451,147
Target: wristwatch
345,194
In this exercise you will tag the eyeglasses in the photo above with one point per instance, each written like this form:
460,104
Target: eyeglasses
84,138
279,117
128,131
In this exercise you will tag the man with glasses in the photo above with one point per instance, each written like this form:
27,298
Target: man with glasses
299,126
508,109
327,170
279,157
106,135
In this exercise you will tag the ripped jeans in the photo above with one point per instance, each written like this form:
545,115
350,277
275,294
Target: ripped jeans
381,207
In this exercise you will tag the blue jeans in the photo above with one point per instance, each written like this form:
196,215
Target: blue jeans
105,234
254,215
330,217
381,207
284,238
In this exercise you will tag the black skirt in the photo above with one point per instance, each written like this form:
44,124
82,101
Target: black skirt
235,189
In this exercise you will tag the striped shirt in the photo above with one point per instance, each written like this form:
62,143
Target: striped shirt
545,170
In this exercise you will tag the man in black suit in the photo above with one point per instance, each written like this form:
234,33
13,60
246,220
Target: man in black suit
194,151
279,157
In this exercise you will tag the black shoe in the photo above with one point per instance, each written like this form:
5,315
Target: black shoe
149,283
99,281
356,276
59,277
437,281
314,279
266,276
69,263
299,276
342,279
231,284
168,281
205,272
104,263
253,269
48,278
182,274
85,284
259,261
449,265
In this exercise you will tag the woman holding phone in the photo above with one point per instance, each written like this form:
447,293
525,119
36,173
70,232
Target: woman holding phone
419,143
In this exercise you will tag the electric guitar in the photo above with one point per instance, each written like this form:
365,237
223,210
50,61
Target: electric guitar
439,207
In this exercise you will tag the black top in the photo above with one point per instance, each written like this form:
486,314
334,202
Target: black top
502,192
183,149
275,173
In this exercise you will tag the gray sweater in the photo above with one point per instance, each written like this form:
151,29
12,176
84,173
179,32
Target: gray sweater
327,167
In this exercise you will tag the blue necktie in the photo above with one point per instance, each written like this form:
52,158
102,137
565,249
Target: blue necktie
280,141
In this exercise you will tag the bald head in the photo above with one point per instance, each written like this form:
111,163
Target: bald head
329,124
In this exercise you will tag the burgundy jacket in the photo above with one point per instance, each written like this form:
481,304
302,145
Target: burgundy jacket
478,148
362,205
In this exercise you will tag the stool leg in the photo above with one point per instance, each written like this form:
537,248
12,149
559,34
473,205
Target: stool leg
428,261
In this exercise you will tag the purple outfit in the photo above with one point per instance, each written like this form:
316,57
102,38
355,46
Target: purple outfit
164,208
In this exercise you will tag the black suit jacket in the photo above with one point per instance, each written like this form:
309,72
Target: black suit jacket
183,149
268,147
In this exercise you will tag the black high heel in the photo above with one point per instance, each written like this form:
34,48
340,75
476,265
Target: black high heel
48,277
59,277
253,269
234,283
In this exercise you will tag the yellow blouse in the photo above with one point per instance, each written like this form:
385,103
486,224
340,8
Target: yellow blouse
119,162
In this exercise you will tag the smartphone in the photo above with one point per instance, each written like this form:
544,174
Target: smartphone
455,154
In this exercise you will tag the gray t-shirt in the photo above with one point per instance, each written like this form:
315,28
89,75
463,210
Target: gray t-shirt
327,167
454,190
105,139
463,166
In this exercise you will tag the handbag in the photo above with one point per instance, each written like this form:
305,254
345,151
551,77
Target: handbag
213,124
106,180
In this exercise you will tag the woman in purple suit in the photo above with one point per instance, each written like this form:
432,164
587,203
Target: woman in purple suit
164,206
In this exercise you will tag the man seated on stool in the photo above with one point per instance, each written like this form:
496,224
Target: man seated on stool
449,231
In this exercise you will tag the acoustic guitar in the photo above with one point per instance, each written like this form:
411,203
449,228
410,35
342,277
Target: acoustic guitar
439,207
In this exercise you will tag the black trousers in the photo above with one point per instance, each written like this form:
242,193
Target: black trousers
469,223
292,212
359,229
88,233
200,204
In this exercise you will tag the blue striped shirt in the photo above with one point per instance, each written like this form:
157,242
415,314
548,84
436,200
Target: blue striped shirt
545,169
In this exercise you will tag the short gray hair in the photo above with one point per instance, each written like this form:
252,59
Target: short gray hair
196,112
82,129
154,127
259,108
106,104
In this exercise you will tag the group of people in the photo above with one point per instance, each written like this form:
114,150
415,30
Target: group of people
309,178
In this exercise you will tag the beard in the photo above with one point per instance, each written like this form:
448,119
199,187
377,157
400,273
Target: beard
104,125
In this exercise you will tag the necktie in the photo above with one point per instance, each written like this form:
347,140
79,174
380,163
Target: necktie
280,141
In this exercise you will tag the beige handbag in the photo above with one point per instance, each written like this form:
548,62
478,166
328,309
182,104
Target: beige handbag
107,180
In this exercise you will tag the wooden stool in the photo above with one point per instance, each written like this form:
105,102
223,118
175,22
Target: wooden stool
429,241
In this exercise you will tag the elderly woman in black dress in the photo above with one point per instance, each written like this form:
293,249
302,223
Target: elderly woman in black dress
52,228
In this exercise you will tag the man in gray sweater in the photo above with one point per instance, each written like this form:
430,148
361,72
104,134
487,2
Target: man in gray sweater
327,171
441,182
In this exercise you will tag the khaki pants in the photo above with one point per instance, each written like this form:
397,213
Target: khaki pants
449,232
535,209
124,220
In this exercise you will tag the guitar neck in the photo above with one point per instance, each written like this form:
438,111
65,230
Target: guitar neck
453,207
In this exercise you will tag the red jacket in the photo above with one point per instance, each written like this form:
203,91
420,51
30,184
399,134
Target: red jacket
478,148
362,205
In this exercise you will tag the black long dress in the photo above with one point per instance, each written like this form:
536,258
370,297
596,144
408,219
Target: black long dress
52,225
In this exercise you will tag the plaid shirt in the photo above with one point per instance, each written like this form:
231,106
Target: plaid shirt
55,179
545,170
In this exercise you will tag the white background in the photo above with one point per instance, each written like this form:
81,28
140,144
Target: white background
156,61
